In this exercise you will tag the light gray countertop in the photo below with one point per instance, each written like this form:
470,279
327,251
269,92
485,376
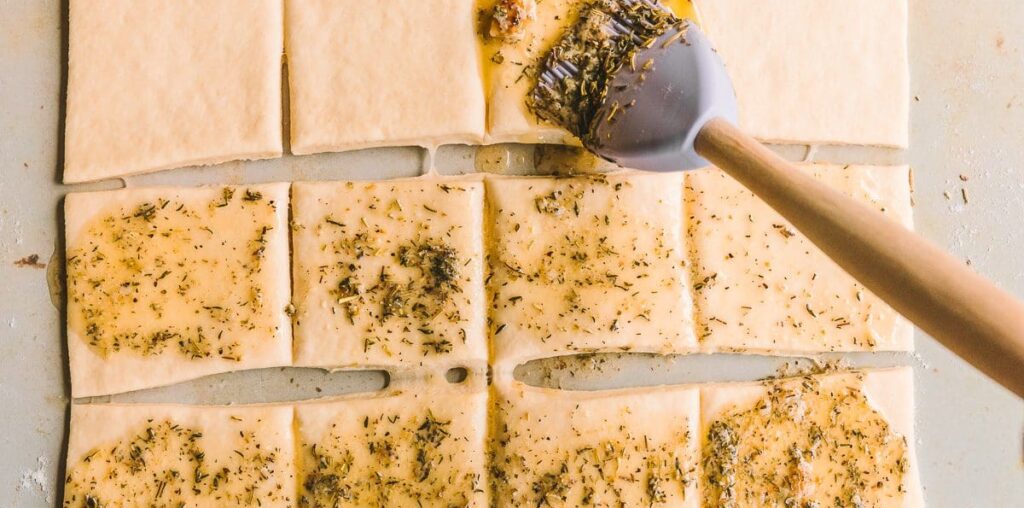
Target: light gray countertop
967,119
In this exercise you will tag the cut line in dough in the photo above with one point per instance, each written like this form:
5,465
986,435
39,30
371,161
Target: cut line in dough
155,85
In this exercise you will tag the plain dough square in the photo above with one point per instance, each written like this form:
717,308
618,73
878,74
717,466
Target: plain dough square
816,71
369,73
169,284
811,440
420,445
156,84
389,273
587,264
635,447
164,455
761,286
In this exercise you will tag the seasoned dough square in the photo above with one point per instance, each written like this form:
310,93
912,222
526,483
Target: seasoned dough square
816,71
156,84
844,439
761,286
588,264
417,446
163,455
511,65
169,284
635,447
389,273
401,72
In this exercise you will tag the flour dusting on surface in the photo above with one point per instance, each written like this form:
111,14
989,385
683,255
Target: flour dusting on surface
36,480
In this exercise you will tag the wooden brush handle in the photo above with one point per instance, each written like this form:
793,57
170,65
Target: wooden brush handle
961,309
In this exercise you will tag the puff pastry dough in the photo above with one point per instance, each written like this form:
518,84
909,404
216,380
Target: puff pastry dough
401,72
146,455
838,439
154,84
612,448
761,286
587,264
389,273
416,447
169,284
816,71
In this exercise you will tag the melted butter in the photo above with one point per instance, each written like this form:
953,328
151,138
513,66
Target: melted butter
180,275
565,160
804,444
495,159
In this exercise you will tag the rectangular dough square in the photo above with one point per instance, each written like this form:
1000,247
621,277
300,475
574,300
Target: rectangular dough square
164,455
635,447
587,264
416,446
761,286
156,84
169,284
511,65
511,72
401,72
389,273
816,71
843,439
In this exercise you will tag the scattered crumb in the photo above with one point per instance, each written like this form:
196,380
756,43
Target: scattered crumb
920,360
817,366
947,195
31,261
963,177
963,194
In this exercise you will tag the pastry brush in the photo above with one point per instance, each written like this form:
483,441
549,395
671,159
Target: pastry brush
646,90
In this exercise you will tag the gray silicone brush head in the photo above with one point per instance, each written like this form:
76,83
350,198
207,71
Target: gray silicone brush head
635,84
654,109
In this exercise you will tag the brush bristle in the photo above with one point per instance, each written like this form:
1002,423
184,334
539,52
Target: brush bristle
575,74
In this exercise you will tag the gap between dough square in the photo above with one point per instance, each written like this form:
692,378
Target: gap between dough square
389,273
169,284
155,85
